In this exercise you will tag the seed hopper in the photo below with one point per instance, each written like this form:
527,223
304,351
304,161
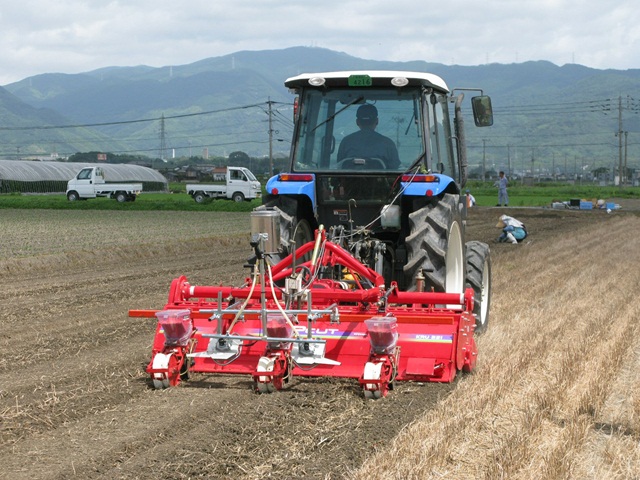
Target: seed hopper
317,312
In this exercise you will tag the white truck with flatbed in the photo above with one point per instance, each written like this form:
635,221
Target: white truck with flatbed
90,183
236,183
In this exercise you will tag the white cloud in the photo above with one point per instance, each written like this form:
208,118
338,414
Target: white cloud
73,36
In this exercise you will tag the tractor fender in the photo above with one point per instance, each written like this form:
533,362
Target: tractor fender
293,185
441,184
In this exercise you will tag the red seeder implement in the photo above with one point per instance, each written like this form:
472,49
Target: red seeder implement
327,316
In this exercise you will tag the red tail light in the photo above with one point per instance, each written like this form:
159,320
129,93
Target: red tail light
420,178
295,177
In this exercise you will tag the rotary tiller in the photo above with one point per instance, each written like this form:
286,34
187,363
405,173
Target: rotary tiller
318,312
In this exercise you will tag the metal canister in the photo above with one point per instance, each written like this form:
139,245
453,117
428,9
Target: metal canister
267,221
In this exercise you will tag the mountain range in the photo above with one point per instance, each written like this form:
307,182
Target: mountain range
545,115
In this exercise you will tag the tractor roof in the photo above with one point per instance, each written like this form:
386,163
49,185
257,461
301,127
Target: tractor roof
378,78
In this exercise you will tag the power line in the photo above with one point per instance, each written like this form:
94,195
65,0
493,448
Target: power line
126,122
278,117
276,112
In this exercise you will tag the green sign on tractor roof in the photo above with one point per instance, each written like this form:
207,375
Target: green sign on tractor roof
360,81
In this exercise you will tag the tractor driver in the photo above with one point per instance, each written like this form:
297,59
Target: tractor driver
366,142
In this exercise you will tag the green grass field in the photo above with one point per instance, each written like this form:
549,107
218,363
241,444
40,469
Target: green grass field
146,201
485,194
544,194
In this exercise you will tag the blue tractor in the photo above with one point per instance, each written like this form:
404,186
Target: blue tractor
378,160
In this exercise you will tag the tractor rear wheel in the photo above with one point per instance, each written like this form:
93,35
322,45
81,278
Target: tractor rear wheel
302,234
478,262
435,245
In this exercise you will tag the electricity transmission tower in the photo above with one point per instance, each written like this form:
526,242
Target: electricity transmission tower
163,140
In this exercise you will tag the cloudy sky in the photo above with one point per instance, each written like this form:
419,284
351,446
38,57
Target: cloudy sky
72,36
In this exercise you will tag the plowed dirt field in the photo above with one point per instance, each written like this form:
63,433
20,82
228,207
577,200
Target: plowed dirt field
75,401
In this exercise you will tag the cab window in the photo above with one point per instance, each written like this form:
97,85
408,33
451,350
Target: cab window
84,174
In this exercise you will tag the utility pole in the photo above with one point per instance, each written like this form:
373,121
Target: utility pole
398,120
619,135
533,159
509,160
484,159
626,134
269,102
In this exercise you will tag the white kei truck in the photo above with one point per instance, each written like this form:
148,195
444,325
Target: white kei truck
237,184
90,183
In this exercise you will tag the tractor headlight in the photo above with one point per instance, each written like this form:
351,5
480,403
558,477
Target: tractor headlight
316,81
399,81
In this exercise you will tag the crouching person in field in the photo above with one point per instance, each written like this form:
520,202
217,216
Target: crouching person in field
513,230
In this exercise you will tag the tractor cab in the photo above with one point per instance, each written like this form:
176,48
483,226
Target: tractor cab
359,132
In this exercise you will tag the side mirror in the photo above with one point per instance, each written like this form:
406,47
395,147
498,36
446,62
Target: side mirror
482,111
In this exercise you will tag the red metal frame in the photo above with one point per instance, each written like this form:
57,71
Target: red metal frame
435,330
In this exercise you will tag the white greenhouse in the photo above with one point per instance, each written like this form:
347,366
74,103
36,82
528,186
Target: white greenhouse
52,177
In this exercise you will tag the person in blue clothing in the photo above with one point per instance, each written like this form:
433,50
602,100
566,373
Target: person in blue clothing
513,230
501,183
